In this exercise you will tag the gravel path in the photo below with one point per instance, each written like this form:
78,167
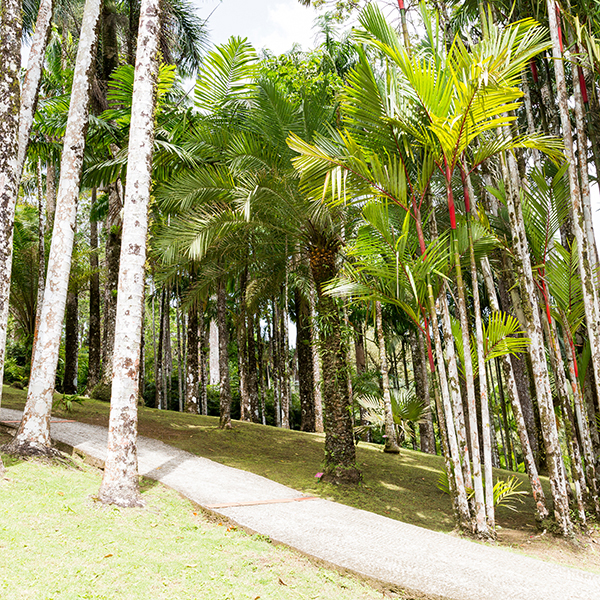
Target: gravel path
418,560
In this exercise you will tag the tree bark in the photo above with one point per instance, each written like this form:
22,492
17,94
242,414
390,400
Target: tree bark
113,253
318,379
33,434
537,354
204,347
120,480
391,440
588,281
514,395
10,63
224,386
95,342
252,371
417,347
340,453
192,400
305,362
71,343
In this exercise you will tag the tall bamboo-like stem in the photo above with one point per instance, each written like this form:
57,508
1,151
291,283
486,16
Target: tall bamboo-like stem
513,394
479,342
581,416
316,363
563,390
582,162
224,385
454,385
537,353
16,116
454,454
588,281
120,480
481,525
192,400
391,440
34,431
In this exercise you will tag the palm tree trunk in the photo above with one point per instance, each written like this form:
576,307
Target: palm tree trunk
284,362
319,428
159,364
120,480
180,357
224,386
204,334
514,396
33,434
391,441
305,362
113,253
340,453
455,391
71,343
252,371
192,401
419,362
242,348
453,454
585,254
534,332
94,334
10,61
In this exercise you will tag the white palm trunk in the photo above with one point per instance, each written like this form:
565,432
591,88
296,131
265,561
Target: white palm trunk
391,441
513,394
28,101
120,481
461,501
585,251
537,351
10,61
34,432
454,388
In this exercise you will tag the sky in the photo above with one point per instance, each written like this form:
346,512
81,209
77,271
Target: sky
276,25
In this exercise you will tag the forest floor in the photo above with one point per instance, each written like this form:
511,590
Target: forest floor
402,487
58,543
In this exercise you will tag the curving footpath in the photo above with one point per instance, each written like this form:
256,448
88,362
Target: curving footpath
422,562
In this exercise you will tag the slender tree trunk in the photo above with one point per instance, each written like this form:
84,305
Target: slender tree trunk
514,396
71,343
534,332
159,366
391,441
586,259
204,347
120,480
305,363
192,400
33,434
261,371
455,390
113,253
252,371
224,386
10,63
95,342
284,363
419,362
180,357
214,352
242,348
316,365
10,25
275,348
449,437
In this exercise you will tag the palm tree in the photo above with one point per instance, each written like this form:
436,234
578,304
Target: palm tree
33,435
120,480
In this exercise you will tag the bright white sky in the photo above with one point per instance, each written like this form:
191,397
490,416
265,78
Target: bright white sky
273,24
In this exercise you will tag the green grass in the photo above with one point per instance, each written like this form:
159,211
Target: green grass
402,487
57,543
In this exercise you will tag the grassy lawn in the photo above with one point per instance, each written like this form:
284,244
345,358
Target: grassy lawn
57,543
402,487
